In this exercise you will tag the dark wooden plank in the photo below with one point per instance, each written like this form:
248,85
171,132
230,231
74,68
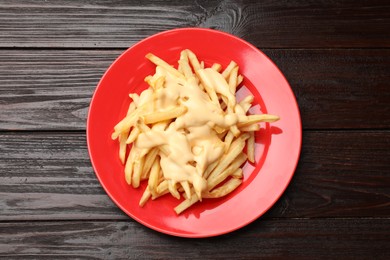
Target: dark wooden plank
298,238
272,24
51,175
338,88
51,89
48,176
340,174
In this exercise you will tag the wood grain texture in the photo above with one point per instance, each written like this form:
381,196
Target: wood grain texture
47,176
338,88
266,24
336,56
42,89
51,89
297,238
50,176
341,174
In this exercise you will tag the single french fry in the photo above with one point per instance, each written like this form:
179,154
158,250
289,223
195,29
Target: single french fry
185,65
217,67
238,174
225,189
159,62
229,69
131,108
138,166
145,197
238,141
185,195
252,119
158,195
239,111
149,159
163,186
173,189
193,60
186,188
133,135
122,146
250,146
129,165
162,189
240,78
153,177
234,129
246,103
164,115
228,140
233,80
219,129
180,68
186,204
198,186
249,128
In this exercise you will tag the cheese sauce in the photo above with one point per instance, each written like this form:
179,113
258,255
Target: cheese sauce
192,141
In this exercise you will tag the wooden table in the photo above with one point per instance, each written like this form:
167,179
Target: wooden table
336,56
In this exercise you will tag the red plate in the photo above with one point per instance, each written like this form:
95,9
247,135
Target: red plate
277,145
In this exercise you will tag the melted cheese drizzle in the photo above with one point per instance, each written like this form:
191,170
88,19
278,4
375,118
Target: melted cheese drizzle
193,143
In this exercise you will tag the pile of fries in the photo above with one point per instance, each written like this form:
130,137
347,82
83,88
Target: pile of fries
186,134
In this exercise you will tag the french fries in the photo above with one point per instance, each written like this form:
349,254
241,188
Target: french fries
186,134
